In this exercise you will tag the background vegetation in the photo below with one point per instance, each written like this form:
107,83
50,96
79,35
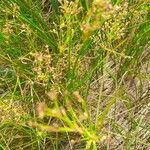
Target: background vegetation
74,74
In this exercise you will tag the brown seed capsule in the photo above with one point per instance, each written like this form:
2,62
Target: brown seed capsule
41,109
78,96
53,94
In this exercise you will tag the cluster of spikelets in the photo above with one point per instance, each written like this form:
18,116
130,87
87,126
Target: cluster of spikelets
12,112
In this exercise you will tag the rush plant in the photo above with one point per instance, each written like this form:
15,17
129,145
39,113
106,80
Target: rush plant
74,74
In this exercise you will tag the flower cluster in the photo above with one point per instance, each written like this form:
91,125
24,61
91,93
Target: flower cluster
70,8
115,27
42,66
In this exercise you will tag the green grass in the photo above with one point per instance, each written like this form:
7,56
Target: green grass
74,74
